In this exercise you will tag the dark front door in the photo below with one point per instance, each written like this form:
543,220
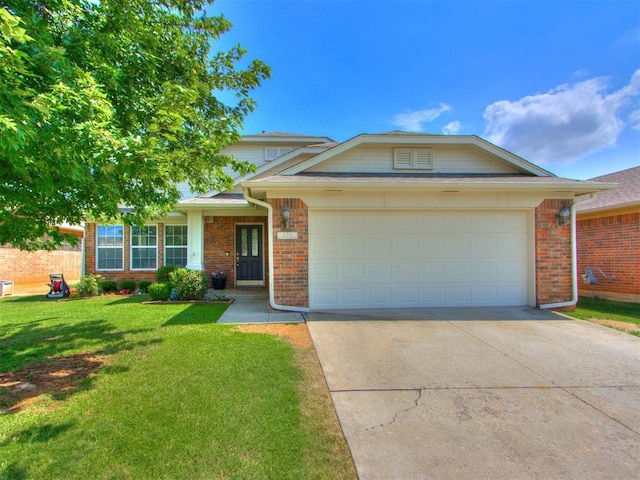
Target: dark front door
249,256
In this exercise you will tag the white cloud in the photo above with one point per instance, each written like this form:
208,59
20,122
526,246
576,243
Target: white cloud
452,128
563,124
413,121
634,118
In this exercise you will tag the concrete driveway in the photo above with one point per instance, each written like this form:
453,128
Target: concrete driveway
544,398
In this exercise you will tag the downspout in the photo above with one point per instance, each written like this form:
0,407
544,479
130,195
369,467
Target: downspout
272,301
574,259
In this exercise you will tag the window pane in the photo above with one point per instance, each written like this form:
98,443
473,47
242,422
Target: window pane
175,236
254,242
143,236
109,251
143,258
176,256
144,242
110,235
109,258
244,248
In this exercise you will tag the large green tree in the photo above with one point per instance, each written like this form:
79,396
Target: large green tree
111,103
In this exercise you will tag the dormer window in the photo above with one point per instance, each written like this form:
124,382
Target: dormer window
271,153
413,158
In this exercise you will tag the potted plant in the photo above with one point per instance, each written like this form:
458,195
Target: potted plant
219,280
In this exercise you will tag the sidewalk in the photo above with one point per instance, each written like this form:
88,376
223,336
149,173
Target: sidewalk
252,306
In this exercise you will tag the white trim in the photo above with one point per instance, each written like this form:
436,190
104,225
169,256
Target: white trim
164,240
195,240
248,283
131,248
110,247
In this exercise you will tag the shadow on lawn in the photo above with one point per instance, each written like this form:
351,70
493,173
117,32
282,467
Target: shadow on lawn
42,359
195,314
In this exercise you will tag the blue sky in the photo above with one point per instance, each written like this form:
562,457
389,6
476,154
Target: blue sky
556,82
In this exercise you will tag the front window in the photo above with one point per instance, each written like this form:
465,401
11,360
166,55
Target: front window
144,247
110,247
175,245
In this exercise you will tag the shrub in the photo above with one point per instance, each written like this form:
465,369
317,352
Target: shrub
160,291
190,284
89,285
109,286
128,285
162,275
143,286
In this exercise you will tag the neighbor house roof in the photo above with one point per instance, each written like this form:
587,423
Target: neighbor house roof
625,194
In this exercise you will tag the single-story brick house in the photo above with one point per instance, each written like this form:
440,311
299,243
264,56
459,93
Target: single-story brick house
383,220
608,239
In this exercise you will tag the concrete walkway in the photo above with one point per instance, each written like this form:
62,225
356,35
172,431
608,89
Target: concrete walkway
252,306
543,398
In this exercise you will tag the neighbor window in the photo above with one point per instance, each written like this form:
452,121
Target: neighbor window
144,247
175,245
110,247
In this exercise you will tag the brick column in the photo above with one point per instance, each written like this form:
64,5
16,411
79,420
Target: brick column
553,255
291,255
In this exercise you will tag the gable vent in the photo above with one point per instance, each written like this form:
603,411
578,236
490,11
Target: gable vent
413,158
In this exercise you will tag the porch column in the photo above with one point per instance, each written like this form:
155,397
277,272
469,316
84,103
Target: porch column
195,240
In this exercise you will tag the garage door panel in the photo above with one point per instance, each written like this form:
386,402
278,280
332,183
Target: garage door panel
459,246
403,258
485,272
380,246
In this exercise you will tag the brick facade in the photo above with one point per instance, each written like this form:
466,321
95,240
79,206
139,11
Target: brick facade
127,273
611,244
218,255
553,255
219,245
291,256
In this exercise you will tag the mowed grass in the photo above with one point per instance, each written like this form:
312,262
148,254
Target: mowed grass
597,309
112,389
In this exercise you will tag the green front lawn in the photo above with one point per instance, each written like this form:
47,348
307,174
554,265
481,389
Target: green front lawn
109,388
622,315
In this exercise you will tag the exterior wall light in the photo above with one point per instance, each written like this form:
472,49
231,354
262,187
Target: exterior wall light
563,216
286,214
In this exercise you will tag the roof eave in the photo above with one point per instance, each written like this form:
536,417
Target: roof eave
570,187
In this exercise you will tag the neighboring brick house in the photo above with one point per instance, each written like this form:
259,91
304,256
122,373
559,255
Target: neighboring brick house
386,220
608,230
31,269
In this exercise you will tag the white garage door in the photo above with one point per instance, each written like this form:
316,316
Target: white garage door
410,259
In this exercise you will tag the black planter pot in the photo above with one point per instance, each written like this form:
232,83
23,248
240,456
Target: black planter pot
218,283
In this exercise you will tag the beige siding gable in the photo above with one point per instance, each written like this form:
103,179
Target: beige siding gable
185,191
247,153
446,159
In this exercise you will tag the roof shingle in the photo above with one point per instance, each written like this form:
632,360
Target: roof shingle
627,193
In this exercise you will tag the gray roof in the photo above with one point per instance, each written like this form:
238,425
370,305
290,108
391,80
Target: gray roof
627,193
221,199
